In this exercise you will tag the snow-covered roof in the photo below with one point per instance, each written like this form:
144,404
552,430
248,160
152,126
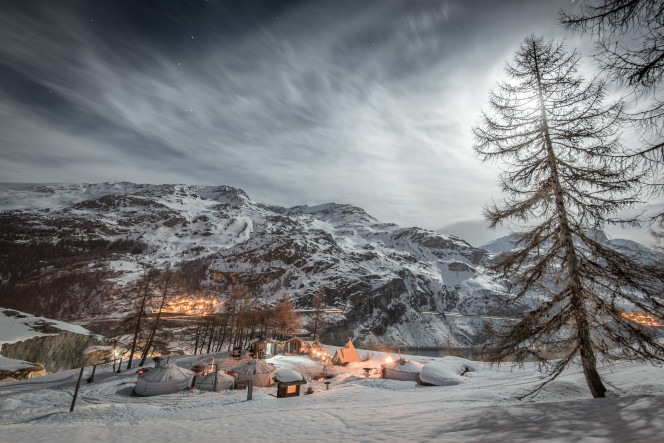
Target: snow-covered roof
166,373
255,366
447,371
288,376
403,365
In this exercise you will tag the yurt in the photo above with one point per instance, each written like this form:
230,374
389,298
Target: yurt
346,354
166,379
402,369
224,381
259,372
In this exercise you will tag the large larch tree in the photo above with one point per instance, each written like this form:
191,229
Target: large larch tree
563,182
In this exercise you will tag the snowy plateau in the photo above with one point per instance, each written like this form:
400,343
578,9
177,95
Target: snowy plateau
384,277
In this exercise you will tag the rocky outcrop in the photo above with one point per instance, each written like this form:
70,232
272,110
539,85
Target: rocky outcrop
54,352
22,374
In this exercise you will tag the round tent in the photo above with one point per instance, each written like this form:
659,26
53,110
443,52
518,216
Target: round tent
224,381
259,372
166,379
402,369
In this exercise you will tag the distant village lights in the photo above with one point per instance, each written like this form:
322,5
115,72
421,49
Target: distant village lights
190,305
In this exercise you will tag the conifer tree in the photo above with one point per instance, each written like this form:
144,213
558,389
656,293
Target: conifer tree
629,37
318,320
144,288
557,141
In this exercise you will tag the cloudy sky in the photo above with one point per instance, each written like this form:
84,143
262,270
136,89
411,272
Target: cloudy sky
301,102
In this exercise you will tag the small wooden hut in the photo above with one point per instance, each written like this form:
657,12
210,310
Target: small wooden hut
290,346
263,348
288,383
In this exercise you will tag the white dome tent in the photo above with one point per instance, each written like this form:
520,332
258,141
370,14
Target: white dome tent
224,381
402,369
166,379
259,372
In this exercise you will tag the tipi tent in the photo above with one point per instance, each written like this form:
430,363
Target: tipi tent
259,372
224,381
346,354
402,369
166,379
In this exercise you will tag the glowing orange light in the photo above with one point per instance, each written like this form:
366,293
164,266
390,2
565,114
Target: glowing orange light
388,360
642,318
190,305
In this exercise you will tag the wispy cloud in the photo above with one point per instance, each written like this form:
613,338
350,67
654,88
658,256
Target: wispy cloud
369,103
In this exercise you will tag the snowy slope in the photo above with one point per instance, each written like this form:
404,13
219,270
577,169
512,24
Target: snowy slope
483,407
18,326
381,275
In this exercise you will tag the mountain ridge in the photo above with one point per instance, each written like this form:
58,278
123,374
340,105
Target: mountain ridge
383,276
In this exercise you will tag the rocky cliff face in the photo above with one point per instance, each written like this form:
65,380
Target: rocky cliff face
54,352
70,248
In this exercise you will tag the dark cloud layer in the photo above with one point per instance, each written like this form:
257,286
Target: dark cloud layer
366,102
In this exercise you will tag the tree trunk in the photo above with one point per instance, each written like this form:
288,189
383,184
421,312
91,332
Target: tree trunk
156,321
140,317
577,300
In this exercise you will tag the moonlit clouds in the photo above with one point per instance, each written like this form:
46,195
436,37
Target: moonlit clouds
369,103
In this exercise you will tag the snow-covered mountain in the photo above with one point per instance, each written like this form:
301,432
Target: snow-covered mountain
69,249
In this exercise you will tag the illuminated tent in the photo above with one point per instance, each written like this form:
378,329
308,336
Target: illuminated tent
346,354
166,379
402,369
259,372
224,381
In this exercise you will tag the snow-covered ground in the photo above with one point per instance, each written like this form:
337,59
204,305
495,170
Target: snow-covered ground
483,406
18,326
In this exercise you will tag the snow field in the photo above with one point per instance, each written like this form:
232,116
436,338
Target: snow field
482,407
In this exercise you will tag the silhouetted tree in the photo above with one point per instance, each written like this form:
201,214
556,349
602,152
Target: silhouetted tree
558,142
629,36
318,303
168,286
144,288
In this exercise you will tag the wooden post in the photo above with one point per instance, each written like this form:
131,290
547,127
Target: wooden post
92,377
120,365
216,374
78,385
250,385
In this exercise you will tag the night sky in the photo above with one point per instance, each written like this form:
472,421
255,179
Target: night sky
297,102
